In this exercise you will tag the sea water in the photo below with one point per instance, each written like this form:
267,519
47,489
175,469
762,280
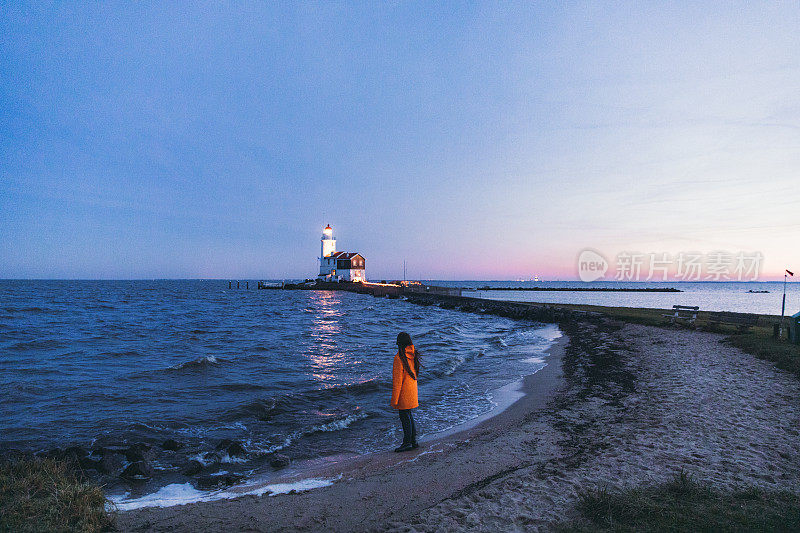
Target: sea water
742,297
302,373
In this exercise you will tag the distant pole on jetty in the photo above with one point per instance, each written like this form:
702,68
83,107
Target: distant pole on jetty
783,305
404,270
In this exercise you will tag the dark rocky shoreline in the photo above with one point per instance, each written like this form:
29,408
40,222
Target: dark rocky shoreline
134,463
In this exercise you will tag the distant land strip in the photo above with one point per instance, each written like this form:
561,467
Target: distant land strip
577,289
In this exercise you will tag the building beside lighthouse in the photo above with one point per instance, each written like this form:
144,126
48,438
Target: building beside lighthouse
338,266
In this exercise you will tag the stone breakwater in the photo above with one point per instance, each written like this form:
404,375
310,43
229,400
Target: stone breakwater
522,311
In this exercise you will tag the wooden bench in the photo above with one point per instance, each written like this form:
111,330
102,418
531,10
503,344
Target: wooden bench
683,312
743,321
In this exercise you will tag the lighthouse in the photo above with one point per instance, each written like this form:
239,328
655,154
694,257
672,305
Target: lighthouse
338,266
328,242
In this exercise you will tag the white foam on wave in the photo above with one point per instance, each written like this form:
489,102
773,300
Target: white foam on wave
185,493
174,494
297,486
542,336
550,332
200,458
534,360
228,459
339,424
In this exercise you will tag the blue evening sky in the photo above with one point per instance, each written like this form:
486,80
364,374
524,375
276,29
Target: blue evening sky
475,140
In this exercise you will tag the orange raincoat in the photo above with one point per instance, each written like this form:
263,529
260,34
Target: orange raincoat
404,387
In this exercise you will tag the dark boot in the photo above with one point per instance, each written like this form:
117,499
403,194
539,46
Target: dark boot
406,421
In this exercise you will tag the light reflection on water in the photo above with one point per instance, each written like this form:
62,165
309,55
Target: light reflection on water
323,352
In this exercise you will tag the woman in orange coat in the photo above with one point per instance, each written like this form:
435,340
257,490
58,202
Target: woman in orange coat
404,388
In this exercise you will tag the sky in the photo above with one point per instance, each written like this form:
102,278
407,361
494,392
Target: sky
488,140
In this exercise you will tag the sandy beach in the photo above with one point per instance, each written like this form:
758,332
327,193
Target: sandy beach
618,405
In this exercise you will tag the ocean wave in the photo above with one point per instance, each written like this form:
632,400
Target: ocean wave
369,385
265,409
118,353
438,332
37,344
262,409
450,365
519,338
32,310
236,387
26,388
334,425
208,361
151,428
432,344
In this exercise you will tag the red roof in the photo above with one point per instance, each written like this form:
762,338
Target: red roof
345,255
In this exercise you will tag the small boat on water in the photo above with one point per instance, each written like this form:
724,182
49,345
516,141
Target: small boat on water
757,292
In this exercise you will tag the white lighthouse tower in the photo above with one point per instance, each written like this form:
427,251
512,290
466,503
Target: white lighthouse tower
327,264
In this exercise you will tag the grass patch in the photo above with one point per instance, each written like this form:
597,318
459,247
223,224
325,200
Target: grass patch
765,346
685,505
47,495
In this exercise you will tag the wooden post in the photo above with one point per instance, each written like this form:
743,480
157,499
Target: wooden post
229,284
237,284
247,285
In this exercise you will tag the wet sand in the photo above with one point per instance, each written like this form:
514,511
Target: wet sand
617,405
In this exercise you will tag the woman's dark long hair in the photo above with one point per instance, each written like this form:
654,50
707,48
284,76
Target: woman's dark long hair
403,341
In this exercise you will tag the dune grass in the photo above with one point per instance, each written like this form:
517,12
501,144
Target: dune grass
47,495
685,505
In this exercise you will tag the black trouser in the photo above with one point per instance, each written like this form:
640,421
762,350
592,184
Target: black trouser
409,427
